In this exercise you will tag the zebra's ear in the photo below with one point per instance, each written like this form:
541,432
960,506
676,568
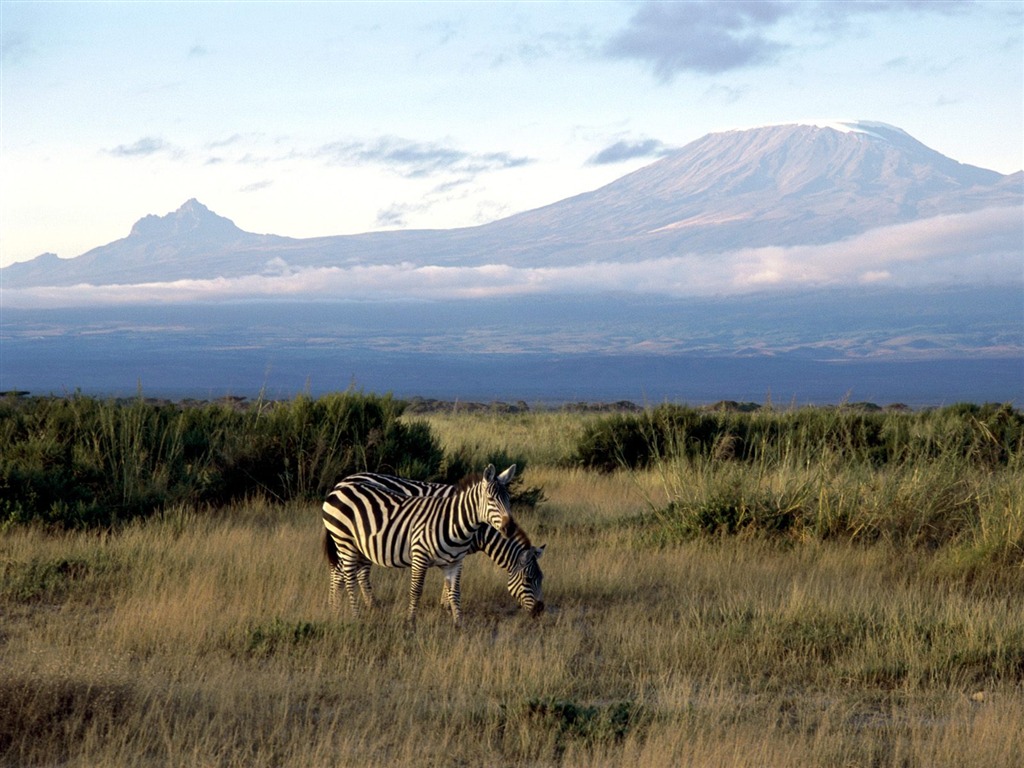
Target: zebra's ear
489,473
506,477
538,551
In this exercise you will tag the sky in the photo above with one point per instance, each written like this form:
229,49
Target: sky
311,119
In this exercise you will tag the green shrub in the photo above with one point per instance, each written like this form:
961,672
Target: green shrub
572,722
280,635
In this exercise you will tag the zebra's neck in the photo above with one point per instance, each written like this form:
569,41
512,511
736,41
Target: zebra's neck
504,552
468,513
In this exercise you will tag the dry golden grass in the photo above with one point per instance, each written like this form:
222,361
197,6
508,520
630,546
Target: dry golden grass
205,639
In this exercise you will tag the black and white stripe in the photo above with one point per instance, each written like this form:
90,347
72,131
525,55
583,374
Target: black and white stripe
514,553
366,524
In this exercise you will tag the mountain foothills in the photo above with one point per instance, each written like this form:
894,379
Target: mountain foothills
787,186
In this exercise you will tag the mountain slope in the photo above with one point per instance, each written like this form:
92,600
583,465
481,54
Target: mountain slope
783,185
775,186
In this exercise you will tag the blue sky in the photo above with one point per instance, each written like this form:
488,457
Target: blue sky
332,118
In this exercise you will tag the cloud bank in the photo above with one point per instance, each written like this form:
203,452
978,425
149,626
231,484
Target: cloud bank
984,247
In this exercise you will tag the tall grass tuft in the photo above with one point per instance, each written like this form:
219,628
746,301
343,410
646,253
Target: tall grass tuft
946,479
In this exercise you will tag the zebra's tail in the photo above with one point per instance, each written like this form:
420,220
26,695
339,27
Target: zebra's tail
330,549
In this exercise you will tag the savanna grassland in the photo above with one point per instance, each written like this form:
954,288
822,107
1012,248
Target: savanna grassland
799,587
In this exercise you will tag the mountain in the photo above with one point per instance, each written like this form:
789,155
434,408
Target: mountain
786,185
191,241
777,186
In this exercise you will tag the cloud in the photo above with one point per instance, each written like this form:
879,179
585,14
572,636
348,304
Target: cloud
984,247
837,16
14,47
713,37
629,150
256,186
415,159
393,216
396,214
533,46
148,145
704,37
234,138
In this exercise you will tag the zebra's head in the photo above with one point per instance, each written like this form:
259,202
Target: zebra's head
525,580
499,504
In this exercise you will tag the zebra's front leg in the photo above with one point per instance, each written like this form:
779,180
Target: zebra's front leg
452,578
445,591
446,588
419,576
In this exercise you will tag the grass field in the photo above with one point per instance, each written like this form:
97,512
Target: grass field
203,636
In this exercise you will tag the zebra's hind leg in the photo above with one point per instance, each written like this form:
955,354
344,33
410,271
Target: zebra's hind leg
363,577
350,569
337,583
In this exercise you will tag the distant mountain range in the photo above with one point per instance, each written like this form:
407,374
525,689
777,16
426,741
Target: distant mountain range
805,263
790,185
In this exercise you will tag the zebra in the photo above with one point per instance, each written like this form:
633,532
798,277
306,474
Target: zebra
368,525
515,554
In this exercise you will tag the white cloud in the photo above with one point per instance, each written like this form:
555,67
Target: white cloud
416,158
147,145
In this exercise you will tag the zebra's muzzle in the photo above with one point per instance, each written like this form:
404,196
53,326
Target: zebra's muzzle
537,610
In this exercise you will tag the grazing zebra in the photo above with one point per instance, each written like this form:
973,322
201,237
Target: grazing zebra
515,554
368,525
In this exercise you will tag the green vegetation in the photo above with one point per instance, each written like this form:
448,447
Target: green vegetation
808,587
988,436
81,462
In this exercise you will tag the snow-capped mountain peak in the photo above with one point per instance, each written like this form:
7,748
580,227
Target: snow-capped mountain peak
870,127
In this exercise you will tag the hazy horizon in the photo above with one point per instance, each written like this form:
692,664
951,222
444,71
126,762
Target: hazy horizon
917,348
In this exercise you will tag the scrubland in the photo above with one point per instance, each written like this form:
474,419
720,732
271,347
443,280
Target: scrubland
845,593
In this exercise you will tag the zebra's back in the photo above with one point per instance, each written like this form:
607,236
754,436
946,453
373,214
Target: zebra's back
402,486
378,525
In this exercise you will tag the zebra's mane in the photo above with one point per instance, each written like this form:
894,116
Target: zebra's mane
519,535
469,481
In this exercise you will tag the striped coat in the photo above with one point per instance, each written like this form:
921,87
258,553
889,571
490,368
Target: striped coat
515,553
368,525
